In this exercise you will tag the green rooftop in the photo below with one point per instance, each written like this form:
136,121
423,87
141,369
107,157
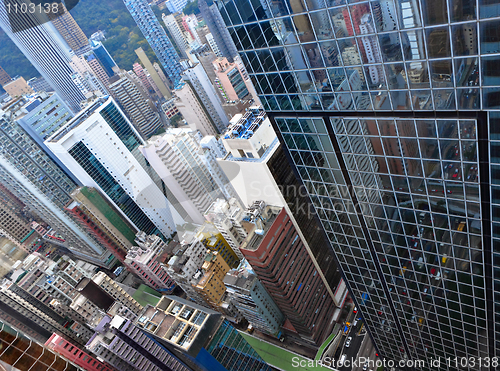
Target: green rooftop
281,358
146,295
106,209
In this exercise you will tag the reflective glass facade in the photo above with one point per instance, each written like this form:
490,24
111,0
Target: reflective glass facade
389,111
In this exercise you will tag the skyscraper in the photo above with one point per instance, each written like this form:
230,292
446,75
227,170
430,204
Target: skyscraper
177,33
32,176
101,147
156,37
102,54
220,34
45,48
138,107
387,122
190,172
64,22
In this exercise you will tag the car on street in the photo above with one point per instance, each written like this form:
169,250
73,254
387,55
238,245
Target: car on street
348,342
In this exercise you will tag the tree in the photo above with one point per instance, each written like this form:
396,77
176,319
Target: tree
191,8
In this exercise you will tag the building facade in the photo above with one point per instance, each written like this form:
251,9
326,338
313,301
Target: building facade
177,34
143,259
64,22
101,219
279,258
391,124
207,338
220,34
253,301
205,91
45,188
46,49
138,107
154,33
99,146
187,170
124,345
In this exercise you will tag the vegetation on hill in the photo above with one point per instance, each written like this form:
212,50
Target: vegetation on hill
191,8
111,16
122,34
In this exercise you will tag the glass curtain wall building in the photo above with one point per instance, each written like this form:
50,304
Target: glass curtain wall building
389,111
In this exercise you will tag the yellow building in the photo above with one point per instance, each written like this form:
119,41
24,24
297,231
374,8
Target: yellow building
211,278
212,239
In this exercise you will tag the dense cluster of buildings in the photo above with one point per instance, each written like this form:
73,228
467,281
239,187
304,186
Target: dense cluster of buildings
248,177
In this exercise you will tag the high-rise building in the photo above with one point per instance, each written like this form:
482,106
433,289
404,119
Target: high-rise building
4,77
189,171
40,85
13,225
177,34
34,178
45,48
33,316
125,346
139,71
205,92
64,22
158,84
144,260
100,146
175,6
40,115
191,108
97,69
199,334
279,258
226,216
102,54
138,108
215,22
230,80
399,160
103,292
102,220
213,45
253,301
156,37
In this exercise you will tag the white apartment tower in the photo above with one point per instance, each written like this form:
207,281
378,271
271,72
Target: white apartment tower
188,170
139,109
100,145
226,216
177,34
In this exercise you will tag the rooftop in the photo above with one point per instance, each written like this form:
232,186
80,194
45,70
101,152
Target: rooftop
244,127
262,219
79,119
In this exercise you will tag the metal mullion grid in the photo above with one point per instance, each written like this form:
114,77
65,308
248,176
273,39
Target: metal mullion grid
362,64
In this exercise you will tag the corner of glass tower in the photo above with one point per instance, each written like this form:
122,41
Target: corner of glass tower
389,112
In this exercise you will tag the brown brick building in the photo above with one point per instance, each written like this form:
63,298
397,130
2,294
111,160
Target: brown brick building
281,262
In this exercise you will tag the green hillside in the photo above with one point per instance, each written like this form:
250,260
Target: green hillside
110,16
